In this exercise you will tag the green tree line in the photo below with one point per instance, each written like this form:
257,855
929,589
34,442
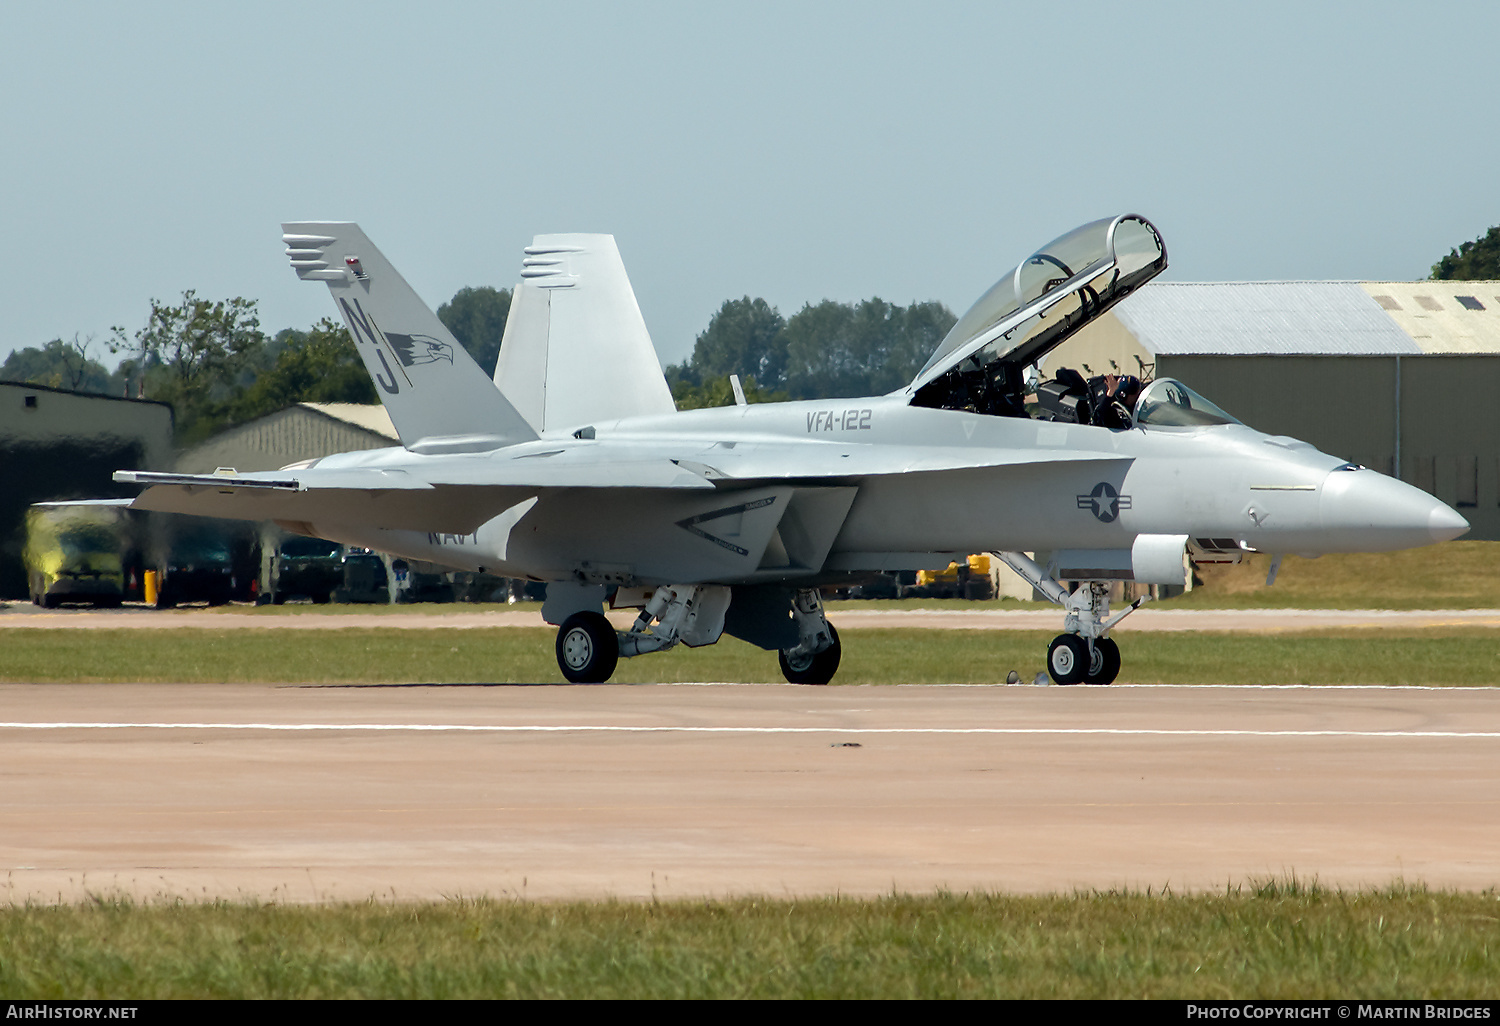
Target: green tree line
1472,261
213,363
211,360
824,350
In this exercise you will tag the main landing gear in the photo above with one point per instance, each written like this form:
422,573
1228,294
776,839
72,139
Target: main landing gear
1084,653
589,647
815,657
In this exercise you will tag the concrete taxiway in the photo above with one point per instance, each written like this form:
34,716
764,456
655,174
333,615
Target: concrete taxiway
300,793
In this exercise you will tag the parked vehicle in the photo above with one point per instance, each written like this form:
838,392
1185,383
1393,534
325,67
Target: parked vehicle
421,583
294,566
193,560
971,579
74,554
365,578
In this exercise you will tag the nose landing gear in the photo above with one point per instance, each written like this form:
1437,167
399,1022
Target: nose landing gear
1072,659
1084,654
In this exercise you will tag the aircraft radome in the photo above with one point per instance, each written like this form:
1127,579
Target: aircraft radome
573,466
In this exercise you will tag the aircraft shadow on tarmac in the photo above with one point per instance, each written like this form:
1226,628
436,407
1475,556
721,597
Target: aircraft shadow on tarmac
453,684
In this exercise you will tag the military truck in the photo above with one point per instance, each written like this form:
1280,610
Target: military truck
76,554
295,566
193,558
366,578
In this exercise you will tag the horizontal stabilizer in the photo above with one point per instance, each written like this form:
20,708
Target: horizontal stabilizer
145,477
438,398
83,502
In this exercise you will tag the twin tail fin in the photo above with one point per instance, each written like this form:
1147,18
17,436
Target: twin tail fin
438,398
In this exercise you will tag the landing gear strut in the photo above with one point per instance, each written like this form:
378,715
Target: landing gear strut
589,647
815,657
1084,653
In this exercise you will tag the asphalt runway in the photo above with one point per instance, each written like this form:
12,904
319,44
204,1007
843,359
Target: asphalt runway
304,794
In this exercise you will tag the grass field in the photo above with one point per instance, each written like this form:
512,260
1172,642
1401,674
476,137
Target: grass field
1280,940
1277,940
1455,575
871,656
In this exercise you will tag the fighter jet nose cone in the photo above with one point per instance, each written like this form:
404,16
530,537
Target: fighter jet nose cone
1375,513
1445,524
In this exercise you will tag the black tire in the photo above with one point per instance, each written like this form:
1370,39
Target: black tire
1104,667
1067,659
816,669
587,648
49,601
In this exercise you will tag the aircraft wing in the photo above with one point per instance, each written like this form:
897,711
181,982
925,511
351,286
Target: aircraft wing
457,498
459,494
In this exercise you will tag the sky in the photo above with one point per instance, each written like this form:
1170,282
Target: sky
793,151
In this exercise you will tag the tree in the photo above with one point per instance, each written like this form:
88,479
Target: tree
744,338
60,364
1473,261
865,348
719,392
477,316
192,356
319,365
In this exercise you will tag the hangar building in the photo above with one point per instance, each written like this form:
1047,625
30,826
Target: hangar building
1402,377
301,432
60,444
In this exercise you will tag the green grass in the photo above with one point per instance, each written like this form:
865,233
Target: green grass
1440,656
1454,575
303,608
1279,940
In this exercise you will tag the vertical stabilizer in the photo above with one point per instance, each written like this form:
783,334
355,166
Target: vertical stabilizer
438,398
576,350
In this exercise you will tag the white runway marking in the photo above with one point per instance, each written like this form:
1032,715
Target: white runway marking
480,728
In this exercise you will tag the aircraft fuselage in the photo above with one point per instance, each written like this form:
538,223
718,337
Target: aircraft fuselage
1085,487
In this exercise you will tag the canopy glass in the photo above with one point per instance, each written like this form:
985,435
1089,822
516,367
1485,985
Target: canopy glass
1048,297
1167,402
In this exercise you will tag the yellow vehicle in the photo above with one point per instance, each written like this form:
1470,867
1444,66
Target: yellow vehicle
971,579
75,554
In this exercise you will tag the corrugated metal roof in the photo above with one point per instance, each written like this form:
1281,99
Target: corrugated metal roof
1443,316
296,433
1262,317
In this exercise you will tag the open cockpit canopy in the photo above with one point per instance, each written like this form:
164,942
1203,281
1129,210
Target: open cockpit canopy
1167,402
1033,309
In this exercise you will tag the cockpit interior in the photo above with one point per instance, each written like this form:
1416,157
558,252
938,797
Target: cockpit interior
989,362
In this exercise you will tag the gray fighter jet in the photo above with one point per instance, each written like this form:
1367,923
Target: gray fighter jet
573,466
